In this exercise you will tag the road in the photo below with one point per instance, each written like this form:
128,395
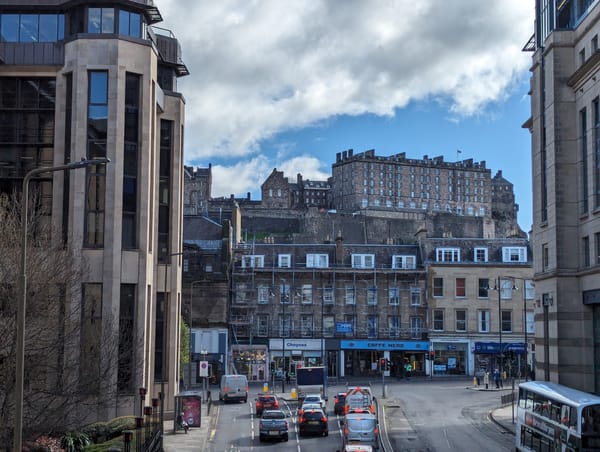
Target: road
420,416
444,416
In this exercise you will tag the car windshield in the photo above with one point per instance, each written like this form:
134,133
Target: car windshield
312,399
266,398
273,415
313,414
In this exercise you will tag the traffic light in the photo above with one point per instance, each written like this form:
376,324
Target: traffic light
388,365
382,364
432,354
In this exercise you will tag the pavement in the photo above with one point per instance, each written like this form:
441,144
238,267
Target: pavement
197,437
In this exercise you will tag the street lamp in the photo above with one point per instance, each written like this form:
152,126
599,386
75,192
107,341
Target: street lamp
191,321
20,358
164,349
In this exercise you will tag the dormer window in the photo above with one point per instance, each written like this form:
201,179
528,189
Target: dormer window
363,261
480,255
447,254
284,260
514,254
252,261
404,262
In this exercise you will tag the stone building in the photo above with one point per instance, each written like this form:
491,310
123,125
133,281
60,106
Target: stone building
198,184
565,126
341,304
365,180
481,304
95,79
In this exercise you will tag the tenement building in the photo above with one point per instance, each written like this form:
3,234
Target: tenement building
88,79
565,128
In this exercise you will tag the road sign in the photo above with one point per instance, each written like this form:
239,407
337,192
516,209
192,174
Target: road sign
203,368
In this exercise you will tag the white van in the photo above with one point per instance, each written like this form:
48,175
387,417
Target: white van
361,428
233,387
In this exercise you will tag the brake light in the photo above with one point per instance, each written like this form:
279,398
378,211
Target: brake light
301,419
346,431
276,404
286,424
376,431
324,419
226,389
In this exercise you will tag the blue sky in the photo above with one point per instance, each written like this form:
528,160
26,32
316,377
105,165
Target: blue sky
288,84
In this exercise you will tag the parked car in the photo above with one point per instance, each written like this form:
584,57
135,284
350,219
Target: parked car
266,402
273,425
360,427
314,422
233,387
340,401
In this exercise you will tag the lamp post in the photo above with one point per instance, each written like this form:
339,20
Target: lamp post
283,298
164,350
191,327
500,327
21,307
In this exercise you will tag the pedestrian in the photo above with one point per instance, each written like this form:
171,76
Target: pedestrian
497,378
486,379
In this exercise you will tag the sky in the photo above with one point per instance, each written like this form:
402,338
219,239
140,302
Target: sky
288,84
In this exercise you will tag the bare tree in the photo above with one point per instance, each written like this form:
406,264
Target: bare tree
70,350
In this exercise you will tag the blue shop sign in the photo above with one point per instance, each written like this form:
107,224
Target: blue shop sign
494,347
385,345
343,327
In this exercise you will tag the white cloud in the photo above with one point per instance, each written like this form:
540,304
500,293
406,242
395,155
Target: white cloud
248,175
262,67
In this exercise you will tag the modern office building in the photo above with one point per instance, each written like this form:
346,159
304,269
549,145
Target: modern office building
97,79
565,127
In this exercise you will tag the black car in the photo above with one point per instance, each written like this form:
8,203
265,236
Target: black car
313,422
273,425
340,401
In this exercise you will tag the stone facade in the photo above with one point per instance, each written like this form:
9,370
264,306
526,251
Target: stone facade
127,256
566,196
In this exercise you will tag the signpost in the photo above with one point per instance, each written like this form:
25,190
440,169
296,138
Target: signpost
203,372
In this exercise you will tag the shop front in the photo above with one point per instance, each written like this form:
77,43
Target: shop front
250,360
288,354
450,358
512,359
360,358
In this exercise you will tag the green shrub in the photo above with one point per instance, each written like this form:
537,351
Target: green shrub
74,441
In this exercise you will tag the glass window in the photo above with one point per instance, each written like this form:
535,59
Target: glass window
507,321
484,321
101,20
480,255
438,319
404,262
350,295
328,295
514,254
306,325
285,260
263,294
394,296
372,326
28,31
317,260
49,31
307,295
9,27
438,287
363,260
394,326
483,288
129,24
328,325
415,296
461,320
448,254
460,287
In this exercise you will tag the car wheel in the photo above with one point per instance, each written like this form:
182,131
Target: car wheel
326,433
261,438
285,438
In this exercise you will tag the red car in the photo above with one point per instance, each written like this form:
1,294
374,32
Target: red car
266,402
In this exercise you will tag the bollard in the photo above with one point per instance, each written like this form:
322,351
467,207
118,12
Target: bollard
294,394
266,387
474,381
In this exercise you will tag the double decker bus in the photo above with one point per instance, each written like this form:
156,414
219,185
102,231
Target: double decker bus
552,417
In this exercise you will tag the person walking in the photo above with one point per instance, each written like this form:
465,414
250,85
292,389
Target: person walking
497,378
486,379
